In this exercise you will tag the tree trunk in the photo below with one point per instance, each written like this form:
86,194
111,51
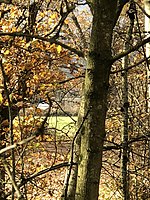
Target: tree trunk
96,89
90,141
125,153
147,30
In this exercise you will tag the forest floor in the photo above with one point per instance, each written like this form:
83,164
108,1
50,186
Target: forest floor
44,152
49,151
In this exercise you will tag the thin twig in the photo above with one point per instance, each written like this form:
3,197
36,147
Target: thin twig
20,196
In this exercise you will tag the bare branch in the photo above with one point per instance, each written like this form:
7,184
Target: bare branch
55,167
58,166
50,40
130,67
70,79
131,49
37,133
83,39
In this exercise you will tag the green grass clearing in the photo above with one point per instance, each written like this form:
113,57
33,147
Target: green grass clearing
62,125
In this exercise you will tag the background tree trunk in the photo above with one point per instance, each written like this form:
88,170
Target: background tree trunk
147,30
125,107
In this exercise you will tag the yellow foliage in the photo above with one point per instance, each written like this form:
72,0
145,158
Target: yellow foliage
29,159
14,29
42,14
59,48
54,15
35,77
52,46
37,145
27,44
6,52
13,14
42,87
1,98
66,21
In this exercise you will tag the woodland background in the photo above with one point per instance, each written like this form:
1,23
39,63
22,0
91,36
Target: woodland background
43,57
